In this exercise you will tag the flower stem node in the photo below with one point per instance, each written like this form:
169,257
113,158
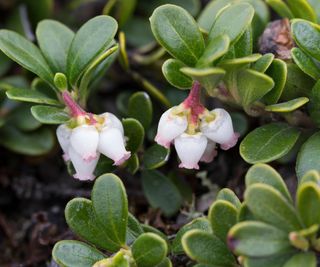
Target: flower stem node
86,137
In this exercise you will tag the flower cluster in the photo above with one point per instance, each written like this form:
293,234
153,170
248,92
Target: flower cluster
85,136
195,131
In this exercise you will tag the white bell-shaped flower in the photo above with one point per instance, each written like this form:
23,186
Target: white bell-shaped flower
210,153
84,139
84,168
63,134
112,145
111,121
170,126
190,149
220,129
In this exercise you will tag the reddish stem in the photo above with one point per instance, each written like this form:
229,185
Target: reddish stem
193,102
74,108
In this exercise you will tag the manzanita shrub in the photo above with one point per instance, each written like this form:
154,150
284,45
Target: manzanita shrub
230,57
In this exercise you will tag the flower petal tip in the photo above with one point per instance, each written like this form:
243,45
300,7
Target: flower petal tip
120,161
189,167
84,178
66,157
160,141
231,143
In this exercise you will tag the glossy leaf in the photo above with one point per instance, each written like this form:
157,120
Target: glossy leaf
307,36
268,143
208,77
133,163
175,29
72,253
270,206
171,71
238,63
281,8
49,115
33,143
309,156
28,95
222,216
308,203
272,261
278,72
134,229
135,133
54,40
305,63
228,195
25,53
232,21
140,108
311,176
91,39
215,49
82,219
307,259
265,174
288,106
206,248
111,206
155,157
200,223
149,250
258,239
263,63
161,192
302,9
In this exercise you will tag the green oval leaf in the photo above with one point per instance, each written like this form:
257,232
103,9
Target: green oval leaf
155,157
175,29
228,195
70,253
263,63
281,8
222,216
140,108
308,203
91,39
232,21
307,36
135,133
265,174
54,40
25,53
257,239
161,192
149,250
307,259
33,96
309,156
302,9
171,71
199,223
268,143
305,63
288,106
111,206
49,115
270,206
82,220
206,248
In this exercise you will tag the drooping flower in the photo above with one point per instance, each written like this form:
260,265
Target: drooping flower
219,128
63,135
171,124
190,148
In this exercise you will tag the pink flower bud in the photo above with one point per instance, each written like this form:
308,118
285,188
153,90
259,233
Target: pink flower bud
112,145
84,168
210,153
170,126
220,129
190,149
84,140
63,134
